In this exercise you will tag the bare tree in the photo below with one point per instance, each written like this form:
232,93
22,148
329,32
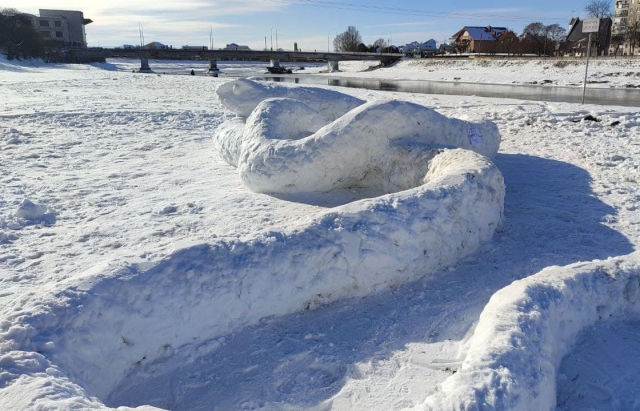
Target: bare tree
380,43
617,41
599,9
18,36
556,33
633,37
347,41
542,39
534,37
508,41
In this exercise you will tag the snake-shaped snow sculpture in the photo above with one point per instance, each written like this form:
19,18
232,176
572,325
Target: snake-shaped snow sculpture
291,145
436,206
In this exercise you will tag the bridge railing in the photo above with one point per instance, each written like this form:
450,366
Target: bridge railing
261,55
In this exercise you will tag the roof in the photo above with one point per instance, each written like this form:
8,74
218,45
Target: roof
427,45
486,33
575,31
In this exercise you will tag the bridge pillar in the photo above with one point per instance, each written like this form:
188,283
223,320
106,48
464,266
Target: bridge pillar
144,66
332,66
275,63
213,68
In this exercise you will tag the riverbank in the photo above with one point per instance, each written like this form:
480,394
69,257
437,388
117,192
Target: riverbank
603,73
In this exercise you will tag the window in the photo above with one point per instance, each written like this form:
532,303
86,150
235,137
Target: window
57,23
44,23
59,34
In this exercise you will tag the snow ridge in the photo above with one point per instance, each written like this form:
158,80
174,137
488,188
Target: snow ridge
529,326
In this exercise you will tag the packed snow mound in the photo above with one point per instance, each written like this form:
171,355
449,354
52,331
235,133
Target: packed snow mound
95,331
286,145
243,95
528,327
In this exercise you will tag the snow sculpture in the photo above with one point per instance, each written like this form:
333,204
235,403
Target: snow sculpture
529,326
90,332
93,331
242,96
289,145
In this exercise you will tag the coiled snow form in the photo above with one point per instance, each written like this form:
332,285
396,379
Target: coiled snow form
439,199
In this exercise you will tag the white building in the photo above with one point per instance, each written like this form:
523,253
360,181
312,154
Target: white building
234,46
429,46
65,26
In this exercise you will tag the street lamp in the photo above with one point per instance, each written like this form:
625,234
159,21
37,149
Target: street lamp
271,38
328,34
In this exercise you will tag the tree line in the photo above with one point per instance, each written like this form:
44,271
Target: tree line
536,38
18,37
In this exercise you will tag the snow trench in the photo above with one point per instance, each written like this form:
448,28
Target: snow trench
71,348
529,326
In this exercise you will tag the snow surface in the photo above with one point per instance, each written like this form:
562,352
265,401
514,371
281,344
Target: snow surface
120,174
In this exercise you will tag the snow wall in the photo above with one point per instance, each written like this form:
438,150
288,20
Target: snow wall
71,348
528,327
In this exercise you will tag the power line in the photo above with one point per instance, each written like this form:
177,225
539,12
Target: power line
410,12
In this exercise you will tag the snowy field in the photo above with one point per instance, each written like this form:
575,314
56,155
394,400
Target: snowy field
115,202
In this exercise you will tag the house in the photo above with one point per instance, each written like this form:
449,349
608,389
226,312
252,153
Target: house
155,45
420,49
446,49
576,41
477,39
63,26
234,46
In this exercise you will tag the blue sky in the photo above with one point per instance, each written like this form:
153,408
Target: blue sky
310,23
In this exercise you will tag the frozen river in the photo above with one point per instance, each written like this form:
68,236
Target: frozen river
602,96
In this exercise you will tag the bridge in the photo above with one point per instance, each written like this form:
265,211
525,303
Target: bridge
213,56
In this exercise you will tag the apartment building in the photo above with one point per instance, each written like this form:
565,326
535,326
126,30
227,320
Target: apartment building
65,26
626,27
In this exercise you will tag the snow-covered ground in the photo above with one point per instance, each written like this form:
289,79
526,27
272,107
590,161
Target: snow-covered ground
603,73
114,201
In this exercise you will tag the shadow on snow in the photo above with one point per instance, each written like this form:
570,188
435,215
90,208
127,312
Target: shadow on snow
551,218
